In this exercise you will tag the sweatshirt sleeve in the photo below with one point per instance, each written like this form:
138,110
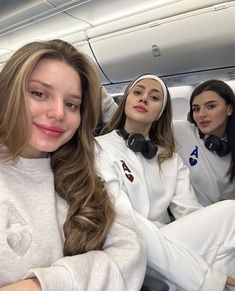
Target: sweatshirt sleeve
120,266
174,260
184,200
109,106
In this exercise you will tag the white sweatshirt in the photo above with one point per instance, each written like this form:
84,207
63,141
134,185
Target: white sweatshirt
207,169
149,192
150,189
109,106
31,237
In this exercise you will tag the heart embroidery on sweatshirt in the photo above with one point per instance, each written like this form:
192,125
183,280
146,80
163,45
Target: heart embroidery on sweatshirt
20,242
127,171
192,161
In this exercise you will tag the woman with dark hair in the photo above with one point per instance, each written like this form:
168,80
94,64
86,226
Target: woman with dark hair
59,230
138,162
207,144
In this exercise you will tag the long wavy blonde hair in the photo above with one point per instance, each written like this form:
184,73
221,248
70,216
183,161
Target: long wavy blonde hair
160,131
90,213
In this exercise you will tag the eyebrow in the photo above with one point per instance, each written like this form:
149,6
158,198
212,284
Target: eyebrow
42,83
51,87
143,87
206,103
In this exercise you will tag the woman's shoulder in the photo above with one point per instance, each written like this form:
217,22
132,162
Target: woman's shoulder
110,143
183,129
178,124
110,138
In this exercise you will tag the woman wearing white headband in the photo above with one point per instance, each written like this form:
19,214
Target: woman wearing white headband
137,160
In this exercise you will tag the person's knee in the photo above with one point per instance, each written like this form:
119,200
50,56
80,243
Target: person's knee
226,207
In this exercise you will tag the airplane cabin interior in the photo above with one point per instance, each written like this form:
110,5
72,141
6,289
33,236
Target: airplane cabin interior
184,42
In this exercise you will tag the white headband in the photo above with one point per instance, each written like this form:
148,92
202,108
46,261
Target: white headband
150,76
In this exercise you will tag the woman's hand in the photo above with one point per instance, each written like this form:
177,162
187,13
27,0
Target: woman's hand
230,281
24,285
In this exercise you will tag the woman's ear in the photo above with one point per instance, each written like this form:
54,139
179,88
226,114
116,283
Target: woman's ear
229,110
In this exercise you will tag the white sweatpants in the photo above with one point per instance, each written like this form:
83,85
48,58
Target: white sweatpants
183,249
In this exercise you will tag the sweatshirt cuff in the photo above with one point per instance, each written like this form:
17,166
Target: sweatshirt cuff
215,280
54,278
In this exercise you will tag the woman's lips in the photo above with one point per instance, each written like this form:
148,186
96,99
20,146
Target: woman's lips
50,130
140,108
204,124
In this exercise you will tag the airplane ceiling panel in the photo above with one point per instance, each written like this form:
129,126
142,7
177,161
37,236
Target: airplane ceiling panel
13,7
103,11
178,39
106,16
22,21
46,29
85,48
118,22
61,2
17,16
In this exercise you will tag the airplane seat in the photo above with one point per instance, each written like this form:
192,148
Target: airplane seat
154,284
180,106
153,281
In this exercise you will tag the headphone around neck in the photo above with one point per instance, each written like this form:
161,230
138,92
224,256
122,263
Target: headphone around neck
214,143
137,143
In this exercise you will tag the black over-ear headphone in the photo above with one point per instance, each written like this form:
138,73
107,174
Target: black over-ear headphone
137,143
214,143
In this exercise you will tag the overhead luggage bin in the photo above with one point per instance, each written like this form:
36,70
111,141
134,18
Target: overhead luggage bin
85,48
198,40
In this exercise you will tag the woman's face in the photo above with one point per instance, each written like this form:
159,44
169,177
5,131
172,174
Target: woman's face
210,113
55,96
143,105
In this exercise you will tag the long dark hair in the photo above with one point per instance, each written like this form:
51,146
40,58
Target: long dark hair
225,92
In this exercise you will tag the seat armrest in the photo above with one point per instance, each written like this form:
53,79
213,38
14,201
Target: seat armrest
152,283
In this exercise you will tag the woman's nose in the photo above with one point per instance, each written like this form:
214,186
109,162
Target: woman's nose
56,110
144,98
202,112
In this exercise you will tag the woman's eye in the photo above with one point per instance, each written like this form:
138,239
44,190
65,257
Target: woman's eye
194,109
154,98
211,106
37,94
136,92
72,106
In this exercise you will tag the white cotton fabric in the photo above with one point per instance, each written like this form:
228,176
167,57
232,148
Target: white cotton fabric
31,237
207,169
194,253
